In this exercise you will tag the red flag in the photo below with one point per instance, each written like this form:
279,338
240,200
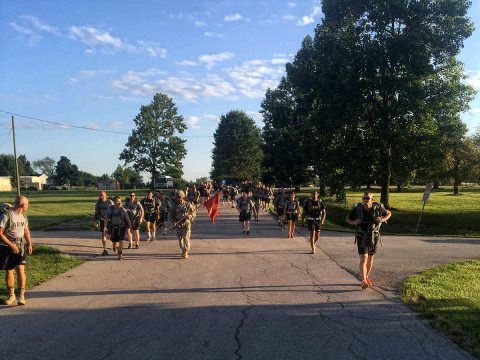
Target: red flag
212,205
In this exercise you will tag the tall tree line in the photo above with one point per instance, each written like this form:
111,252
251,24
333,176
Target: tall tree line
375,96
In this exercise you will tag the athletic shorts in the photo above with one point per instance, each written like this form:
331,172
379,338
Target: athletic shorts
163,217
366,246
292,216
117,233
102,225
280,211
9,260
135,223
314,225
150,217
244,216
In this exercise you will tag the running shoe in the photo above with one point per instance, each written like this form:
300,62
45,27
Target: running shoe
369,281
136,246
129,246
248,232
105,252
364,284
120,257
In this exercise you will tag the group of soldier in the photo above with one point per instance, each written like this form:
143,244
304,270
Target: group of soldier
115,220
179,209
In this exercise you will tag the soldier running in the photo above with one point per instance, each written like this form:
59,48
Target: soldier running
181,216
291,209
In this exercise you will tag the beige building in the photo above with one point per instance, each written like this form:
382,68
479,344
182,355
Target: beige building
5,183
25,182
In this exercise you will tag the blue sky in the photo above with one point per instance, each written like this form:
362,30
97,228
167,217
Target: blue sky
94,63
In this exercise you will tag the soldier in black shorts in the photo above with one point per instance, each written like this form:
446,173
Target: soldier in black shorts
315,212
101,207
367,217
135,212
291,208
118,223
150,208
165,206
245,207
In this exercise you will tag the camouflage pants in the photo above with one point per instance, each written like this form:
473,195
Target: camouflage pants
183,236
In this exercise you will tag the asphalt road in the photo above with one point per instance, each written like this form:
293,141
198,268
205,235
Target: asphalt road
261,296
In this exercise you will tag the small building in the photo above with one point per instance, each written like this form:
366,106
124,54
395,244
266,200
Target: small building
6,183
34,181
108,185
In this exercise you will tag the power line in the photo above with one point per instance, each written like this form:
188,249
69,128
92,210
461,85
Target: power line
6,138
86,127
63,124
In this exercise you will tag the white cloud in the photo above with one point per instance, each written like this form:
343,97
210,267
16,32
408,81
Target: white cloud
233,17
253,77
212,117
214,34
192,122
249,79
188,87
474,79
200,23
210,60
187,63
38,24
292,4
33,28
289,17
103,40
308,19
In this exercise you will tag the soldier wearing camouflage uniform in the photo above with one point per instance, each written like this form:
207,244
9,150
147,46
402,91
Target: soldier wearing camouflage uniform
181,216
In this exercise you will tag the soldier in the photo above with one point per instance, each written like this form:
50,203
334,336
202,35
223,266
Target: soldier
245,207
367,217
290,212
181,216
15,244
101,207
279,202
150,208
269,196
232,191
193,195
315,212
118,223
163,214
135,212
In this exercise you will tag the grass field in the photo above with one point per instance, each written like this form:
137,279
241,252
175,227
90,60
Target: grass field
43,264
449,297
445,214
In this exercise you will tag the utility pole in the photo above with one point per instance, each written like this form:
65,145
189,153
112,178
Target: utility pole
17,174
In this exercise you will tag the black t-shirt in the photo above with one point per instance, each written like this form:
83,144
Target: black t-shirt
368,216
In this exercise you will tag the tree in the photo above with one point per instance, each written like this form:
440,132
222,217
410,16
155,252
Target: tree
153,146
284,147
7,166
237,149
45,166
127,177
67,173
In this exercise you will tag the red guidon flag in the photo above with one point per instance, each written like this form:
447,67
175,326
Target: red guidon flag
212,205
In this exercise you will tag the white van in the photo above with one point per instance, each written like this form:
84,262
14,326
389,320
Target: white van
165,182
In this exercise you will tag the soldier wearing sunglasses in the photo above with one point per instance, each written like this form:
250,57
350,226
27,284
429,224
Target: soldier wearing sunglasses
367,216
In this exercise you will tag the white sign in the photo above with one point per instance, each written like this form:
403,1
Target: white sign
426,193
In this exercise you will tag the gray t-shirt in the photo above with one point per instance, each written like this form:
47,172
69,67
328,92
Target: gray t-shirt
13,224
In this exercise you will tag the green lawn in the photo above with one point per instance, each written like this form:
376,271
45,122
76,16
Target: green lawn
444,213
44,263
449,297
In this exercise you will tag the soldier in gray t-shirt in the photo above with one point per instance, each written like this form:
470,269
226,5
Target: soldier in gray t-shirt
14,245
